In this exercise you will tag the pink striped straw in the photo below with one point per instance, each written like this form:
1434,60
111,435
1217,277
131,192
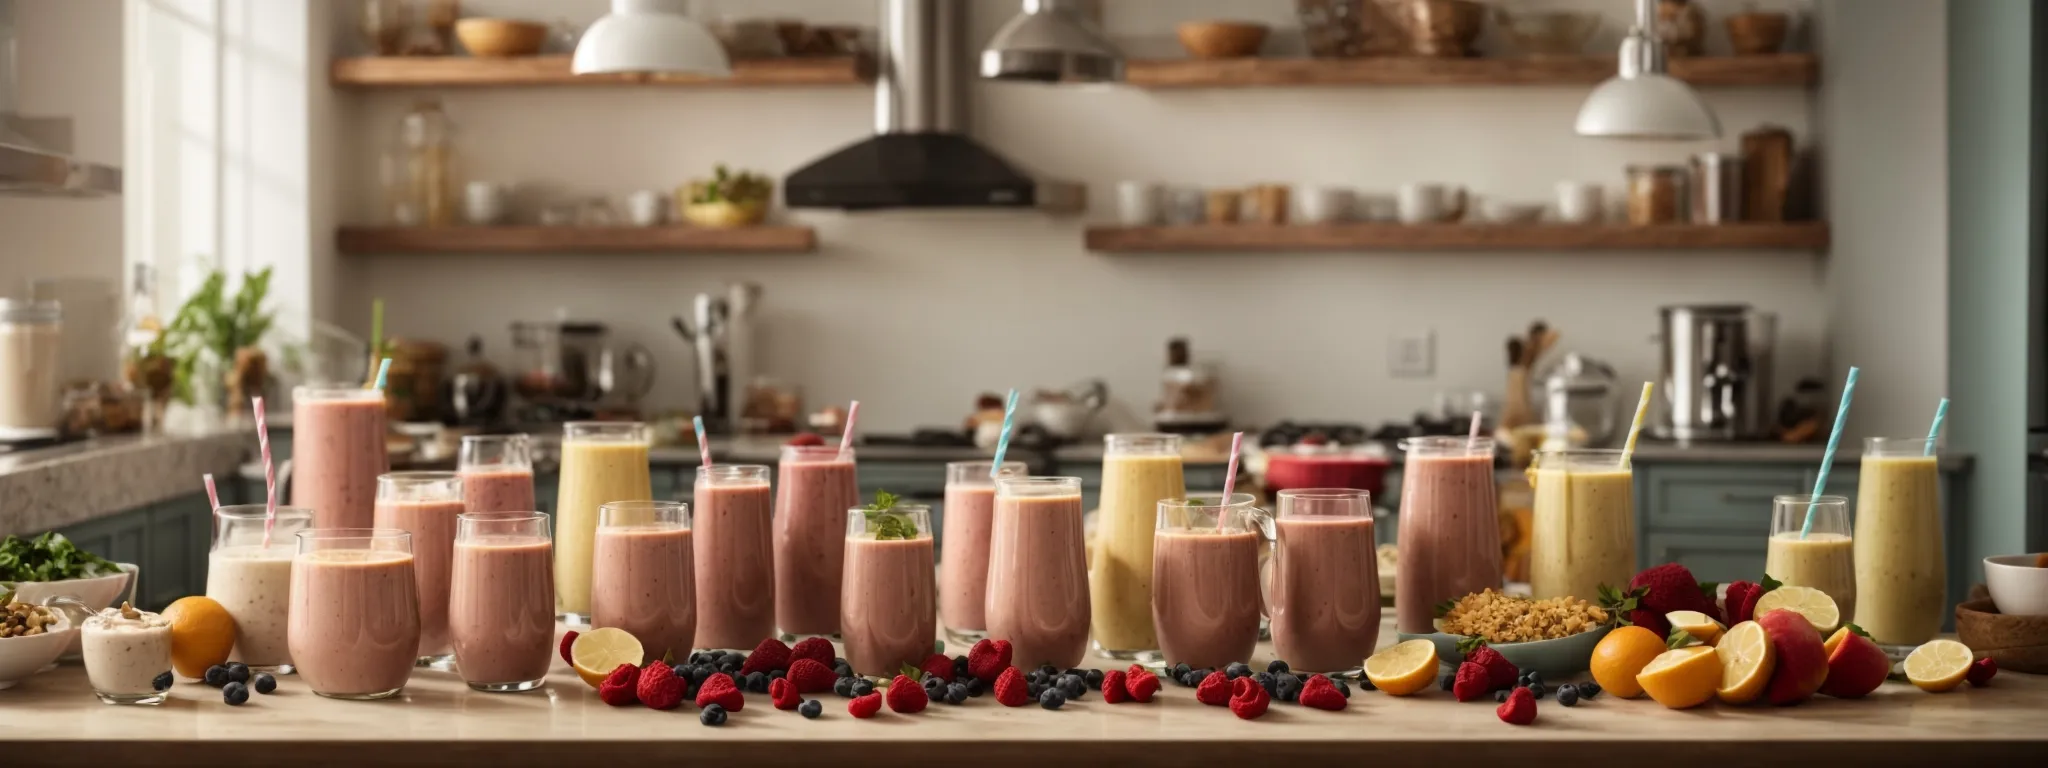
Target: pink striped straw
1229,480
269,471
212,495
846,439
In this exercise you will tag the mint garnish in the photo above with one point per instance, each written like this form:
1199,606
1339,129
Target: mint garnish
886,524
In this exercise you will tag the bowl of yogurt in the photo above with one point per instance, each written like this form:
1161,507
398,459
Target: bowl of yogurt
127,651
31,637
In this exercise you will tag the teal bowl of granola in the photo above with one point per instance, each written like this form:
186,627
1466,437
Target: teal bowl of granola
1554,636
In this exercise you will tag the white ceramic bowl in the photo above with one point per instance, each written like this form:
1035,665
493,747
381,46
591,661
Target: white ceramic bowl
98,592
2017,587
21,657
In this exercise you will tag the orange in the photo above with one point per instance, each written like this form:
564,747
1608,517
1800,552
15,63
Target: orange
1682,677
202,635
1620,655
1747,659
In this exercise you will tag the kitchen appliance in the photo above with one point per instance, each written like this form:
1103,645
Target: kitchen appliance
1716,194
1578,396
721,335
1067,414
1188,394
35,152
476,393
1716,372
572,367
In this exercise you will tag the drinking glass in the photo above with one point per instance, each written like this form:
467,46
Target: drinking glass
1822,558
1205,579
426,504
734,535
1324,591
1901,560
497,473
1449,532
249,572
1038,571
355,615
814,486
602,461
337,453
645,580
963,550
501,612
887,615
1138,470
1584,524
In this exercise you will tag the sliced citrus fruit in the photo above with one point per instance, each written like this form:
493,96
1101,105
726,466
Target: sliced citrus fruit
1697,624
1819,609
1939,665
1620,655
597,652
1682,677
1403,668
202,635
1747,659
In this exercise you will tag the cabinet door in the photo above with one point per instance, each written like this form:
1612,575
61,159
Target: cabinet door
1710,556
1710,498
180,531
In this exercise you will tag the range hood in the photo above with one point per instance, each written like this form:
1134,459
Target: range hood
920,156
35,152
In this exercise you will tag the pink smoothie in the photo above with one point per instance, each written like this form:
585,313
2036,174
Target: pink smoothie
1038,580
502,612
814,488
498,490
355,621
963,566
337,454
735,557
432,525
645,583
1326,593
888,618
1449,535
1205,596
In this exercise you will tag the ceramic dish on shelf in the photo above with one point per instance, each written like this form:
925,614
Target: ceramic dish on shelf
1560,657
501,38
1221,39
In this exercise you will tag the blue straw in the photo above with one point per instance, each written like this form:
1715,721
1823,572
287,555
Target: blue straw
703,445
1003,443
1940,412
383,370
1827,460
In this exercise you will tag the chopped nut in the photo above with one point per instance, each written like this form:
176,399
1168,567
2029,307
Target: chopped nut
23,619
1501,618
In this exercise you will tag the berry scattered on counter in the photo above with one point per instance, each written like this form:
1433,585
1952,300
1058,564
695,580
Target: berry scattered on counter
658,687
1589,690
975,688
937,666
1267,681
216,676
1568,695
1288,689
1449,681
1473,681
841,668
960,668
864,707
1141,684
264,683
862,687
1519,709
806,439
620,688
1011,689
1193,678
1215,689
817,649
811,676
1522,680
1981,672
1342,689
1114,688
1093,678
1501,673
238,672
756,682
906,697
1277,667
770,654
988,659
1237,669
721,690
1365,684
713,715
162,682
774,675
1501,696
1051,700
843,687
568,639
1539,690
1248,700
1535,677
1072,686
234,693
1049,670
810,709
1321,693
956,694
783,694
933,687
698,657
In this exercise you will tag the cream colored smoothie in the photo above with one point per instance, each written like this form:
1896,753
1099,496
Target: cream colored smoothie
1822,557
1584,524
1901,566
125,650
253,580
30,340
1138,471
601,462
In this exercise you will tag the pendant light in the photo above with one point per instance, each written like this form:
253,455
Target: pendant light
1641,101
1051,43
650,36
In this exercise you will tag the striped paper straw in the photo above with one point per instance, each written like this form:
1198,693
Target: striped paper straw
1229,480
269,471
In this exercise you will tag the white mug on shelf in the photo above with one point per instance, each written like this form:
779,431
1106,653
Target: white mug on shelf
1138,203
1579,202
1327,205
1429,203
1379,208
646,208
483,202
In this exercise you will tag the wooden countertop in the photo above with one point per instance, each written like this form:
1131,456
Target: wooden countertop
439,721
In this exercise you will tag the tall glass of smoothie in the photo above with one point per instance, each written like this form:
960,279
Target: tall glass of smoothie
1038,571
497,473
249,572
963,555
337,454
1449,536
889,614
501,612
1822,558
735,556
1205,579
1138,471
602,461
425,505
645,577
355,617
1901,560
814,486
1324,593
1584,524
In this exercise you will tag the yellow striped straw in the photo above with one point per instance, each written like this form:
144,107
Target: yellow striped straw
1636,428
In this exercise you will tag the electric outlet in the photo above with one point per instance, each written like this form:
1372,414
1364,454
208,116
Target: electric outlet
1412,355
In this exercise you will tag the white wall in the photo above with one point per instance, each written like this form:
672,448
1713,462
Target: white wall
68,56
916,312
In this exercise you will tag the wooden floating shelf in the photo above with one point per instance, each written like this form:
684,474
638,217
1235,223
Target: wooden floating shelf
1245,238
553,70
525,239
1783,69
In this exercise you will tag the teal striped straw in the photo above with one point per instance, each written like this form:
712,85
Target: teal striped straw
1827,460
1940,412
1003,443
383,371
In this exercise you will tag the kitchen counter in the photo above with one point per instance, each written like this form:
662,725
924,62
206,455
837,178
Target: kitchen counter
72,483
439,721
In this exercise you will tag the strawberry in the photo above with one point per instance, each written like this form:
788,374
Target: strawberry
988,658
1248,700
783,693
906,696
769,656
817,649
659,688
865,706
1011,689
809,676
568,639
803,439
721,690
939,666
1500,673
1740,602
1320,693
1214,690
1519,709
1980,673
1140,683
1473,682
1670,587
618,688
1113,690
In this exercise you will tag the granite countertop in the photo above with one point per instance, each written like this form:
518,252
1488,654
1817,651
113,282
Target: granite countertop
76,482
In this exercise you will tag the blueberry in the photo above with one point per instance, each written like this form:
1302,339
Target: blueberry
843,687
1448,682
1075,671
698,657
842,669
1181,670
1051,700
1093,678
1535,678
1568,696
959,666
1267,681
1342,689
713,714
234,693
265,683
1365,684
700,673
975,687
757,682
216,676
682,672
1236,670
734,658
1034,690
776,674
1589,690
1500,696
238,672
934,687
1073,687
730,669
1049,670
1035,678
1289,690
810,709
862,688
1276,666
162,682
1538,690
1522,680
956,694
1192,679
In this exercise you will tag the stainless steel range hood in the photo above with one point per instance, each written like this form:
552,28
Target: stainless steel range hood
35,152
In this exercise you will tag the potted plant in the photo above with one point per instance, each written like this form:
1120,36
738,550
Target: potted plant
215,331
728,199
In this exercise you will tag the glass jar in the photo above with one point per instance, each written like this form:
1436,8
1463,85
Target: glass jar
1656,194
31,335
423,190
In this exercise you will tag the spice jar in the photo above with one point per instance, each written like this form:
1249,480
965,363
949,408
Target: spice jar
1656,194
30,337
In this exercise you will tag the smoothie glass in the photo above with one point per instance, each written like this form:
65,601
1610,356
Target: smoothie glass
888,616
497,473
337,454
1138,471
1324,592
1449,536
1038,571
1823,558
814,486
734,537
963,551
426,504
602,462
1901,560
253,580
124,650
501,612
355,617
1205,579
1584,524
645,580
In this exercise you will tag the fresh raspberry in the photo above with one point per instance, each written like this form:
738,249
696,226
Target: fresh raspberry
865,707
1011,689
1214,690
1741,601
802,439
659,688
1248,700
618,687
906,696
783,693
939,666
1500,673
1981,672
1473,682
568,639
1141,684
1749,601
1113,690
809,676
1519,709
769,656
817,649
721,690
1320,693
988,658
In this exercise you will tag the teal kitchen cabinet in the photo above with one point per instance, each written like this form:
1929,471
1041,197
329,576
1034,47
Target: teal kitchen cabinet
166,541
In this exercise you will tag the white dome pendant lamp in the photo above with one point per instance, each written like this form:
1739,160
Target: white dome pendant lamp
1641,101
650,36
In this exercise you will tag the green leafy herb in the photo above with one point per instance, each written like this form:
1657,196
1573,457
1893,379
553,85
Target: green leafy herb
1770,584
1711,589
1444,608
1680,638
213,325
916,675
49,557
1856,630
1619,604
884,522
1469,644
728,187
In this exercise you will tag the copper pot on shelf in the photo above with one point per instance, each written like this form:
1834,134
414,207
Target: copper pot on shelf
1440,28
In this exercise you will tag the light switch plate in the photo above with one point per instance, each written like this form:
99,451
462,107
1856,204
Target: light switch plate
1412,354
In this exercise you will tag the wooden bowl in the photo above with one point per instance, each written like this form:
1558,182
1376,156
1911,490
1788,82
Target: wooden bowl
2017,643
1222,39
501,38
1757,33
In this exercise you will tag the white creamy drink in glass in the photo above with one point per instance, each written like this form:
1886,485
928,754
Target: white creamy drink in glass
253,580
125,650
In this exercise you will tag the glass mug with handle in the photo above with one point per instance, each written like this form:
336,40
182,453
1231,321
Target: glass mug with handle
1206,601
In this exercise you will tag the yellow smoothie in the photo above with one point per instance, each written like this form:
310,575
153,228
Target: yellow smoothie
594,471
1583,531
1823,561
1901,568
1120,574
